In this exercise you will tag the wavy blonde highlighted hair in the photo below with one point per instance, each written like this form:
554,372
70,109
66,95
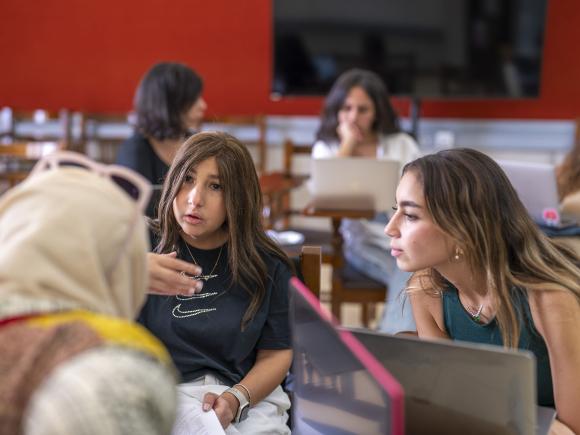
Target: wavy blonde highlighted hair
471,199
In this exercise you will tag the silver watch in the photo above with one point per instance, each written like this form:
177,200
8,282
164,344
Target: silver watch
244,407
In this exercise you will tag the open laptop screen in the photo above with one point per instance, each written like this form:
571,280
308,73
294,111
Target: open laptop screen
451,386
535,184
339,387
341,182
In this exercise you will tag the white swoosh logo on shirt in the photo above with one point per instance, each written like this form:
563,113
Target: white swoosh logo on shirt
197,296
178,313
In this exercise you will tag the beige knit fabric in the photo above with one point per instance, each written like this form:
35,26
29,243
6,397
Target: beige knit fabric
71,239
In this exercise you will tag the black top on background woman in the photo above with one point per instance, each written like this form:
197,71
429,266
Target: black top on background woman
168,105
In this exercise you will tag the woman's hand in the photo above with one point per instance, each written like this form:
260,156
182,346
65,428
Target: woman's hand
350,135
559,428
224,405
165,277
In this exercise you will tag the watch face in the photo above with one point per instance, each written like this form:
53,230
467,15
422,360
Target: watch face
244,412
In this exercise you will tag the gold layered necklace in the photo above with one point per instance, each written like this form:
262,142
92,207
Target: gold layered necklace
203,277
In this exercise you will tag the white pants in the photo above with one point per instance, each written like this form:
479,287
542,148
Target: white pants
269,416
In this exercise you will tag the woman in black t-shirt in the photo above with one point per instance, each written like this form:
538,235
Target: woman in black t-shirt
234,332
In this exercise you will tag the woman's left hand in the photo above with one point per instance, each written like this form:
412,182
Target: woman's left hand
224,405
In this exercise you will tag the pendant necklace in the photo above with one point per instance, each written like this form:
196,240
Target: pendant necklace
202,277
475,314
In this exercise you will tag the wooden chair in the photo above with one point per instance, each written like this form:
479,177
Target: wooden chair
18,158
35,126
292,151
348,284
27,136
310,262
250,129
102,134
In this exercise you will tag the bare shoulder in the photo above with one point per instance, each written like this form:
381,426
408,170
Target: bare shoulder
556,315
427,310
554,307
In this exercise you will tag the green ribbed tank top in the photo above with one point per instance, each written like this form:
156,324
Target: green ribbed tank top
461,326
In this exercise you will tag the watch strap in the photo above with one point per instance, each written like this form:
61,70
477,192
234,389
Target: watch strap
242,400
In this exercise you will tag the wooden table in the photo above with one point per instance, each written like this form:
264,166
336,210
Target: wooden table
337,209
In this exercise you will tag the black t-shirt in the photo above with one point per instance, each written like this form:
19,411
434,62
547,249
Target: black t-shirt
137,153
203,332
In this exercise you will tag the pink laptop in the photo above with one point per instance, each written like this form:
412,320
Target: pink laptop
339,387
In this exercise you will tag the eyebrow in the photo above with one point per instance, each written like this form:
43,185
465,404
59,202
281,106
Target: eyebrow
409,204
212,176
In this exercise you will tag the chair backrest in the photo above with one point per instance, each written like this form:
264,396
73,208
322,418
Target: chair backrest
310,264
279,206
18,158
104,133
35,126
250,129
291,150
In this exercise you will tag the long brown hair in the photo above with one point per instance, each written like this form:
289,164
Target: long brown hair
243,200
471,199
569,172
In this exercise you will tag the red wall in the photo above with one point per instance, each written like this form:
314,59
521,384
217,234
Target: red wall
89,55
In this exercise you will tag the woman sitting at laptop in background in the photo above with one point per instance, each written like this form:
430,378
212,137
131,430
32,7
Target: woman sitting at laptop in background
569,182
168,104
230,342
485,273
358,120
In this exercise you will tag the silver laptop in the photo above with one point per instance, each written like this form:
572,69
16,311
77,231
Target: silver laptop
453,387
535,184
347,182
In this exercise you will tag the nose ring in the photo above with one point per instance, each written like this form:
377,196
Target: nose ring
189,201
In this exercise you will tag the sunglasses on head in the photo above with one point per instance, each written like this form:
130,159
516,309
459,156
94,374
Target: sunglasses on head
136,186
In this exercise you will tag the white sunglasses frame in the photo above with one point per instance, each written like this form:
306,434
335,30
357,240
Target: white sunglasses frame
52,160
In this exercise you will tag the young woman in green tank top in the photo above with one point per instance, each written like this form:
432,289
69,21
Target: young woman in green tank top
485,273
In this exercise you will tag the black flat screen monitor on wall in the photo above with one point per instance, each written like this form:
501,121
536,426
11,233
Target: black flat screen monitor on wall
421,48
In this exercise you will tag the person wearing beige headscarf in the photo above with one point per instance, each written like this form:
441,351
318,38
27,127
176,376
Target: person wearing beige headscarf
73,276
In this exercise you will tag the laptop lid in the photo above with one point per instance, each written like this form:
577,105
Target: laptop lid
355,177
450,385
339,387
535,184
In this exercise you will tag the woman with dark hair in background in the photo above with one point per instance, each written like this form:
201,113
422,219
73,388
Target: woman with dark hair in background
168,104
358,120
